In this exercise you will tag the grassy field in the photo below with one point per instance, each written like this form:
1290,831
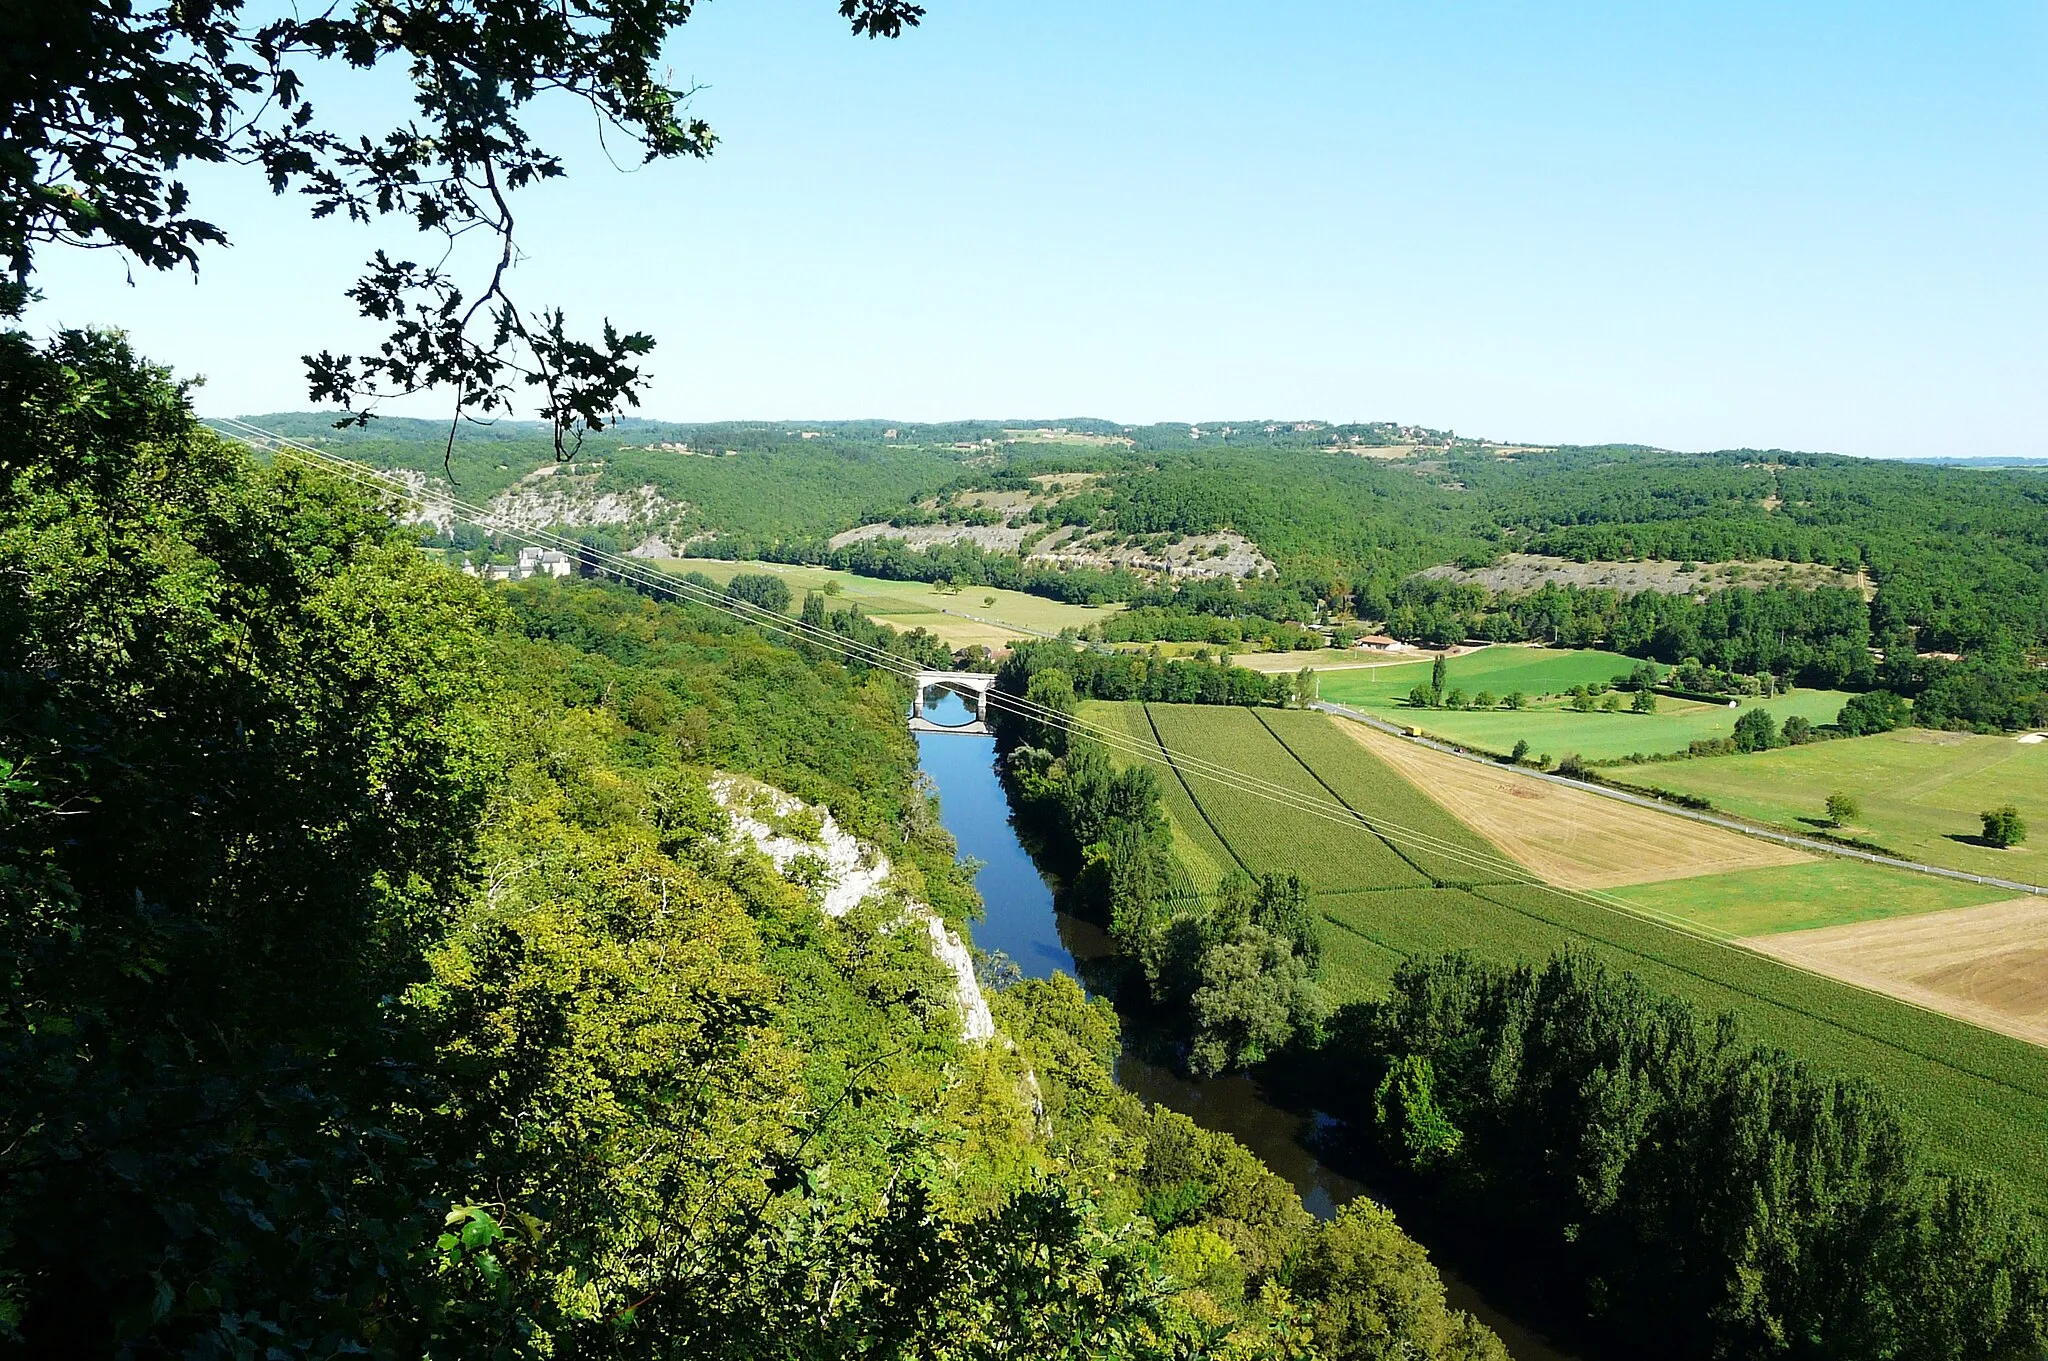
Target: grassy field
1921,792
1570,837
1827,891
1532,670
1548,724
973,614
1980,1098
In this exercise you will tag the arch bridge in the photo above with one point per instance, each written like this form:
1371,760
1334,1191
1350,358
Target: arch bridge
972,686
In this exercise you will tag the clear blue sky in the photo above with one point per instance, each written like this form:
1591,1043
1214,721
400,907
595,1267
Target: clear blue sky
1694,225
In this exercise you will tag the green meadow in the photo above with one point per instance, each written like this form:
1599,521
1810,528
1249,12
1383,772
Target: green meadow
1919,792
1549,724
1423,883
1829,891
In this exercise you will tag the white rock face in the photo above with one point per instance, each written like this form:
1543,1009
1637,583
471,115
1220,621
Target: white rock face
854,872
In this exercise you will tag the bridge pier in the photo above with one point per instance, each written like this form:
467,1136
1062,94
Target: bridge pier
972,686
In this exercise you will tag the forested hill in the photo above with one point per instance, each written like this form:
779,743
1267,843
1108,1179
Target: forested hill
385,978
1345,515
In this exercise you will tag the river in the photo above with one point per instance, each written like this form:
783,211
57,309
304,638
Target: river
1023,923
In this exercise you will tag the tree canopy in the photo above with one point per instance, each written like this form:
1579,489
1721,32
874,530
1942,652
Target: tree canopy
105,102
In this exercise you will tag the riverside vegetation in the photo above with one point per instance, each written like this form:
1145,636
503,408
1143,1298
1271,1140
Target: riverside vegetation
382,981
1662,1172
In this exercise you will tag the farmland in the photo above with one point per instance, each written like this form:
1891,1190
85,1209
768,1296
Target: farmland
1568,836
1549,725
1980,1097
1919,791
987,615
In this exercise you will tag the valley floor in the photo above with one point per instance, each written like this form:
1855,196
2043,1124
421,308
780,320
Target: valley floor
1403,858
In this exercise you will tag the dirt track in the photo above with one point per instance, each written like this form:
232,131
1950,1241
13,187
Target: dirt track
1566,836
1987,965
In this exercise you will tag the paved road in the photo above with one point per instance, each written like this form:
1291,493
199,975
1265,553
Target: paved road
1711,819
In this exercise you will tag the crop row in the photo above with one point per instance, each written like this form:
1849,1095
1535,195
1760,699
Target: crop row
1331,853
1421,830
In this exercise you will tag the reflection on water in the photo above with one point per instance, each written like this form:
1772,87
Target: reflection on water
1023,924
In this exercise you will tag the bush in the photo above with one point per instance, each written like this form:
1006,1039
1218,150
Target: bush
1521,752
1877,711
1756,730
1798,730
1842,809
1645,701
2003,827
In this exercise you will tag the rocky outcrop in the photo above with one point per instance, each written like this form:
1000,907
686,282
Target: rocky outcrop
854,872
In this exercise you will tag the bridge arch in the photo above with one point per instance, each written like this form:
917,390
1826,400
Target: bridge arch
972,686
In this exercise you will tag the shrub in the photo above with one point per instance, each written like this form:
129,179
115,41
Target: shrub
1645,701
1485,699
2003,827
1756,730
1516,699
1877,711
1521,752
1842,808
1798,730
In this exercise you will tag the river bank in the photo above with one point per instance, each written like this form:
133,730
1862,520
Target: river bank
1024,924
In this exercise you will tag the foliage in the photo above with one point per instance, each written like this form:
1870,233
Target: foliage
106,103
241,713
1145,676
1842,808
1383,1301
1875,711
760,590
1981,1099
381,980
2003,827
1755,730
1653,1152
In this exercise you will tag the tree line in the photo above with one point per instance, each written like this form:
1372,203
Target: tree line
1677,1180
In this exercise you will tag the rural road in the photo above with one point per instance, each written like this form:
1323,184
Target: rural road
1711,819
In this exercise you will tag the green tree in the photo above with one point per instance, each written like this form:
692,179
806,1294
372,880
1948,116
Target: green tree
1409,1118
1517,700
1376,1296
1842,808
1645,701
105,104
1439,670
1422,697
762,590
1306,688
1873,712
2003,827
255,703
1755,730
1798,730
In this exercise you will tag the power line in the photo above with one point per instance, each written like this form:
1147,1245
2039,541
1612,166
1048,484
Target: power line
661,583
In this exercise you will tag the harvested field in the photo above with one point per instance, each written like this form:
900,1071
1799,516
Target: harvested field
1565,836
1987,965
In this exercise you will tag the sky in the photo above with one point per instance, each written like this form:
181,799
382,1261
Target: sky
1810,226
